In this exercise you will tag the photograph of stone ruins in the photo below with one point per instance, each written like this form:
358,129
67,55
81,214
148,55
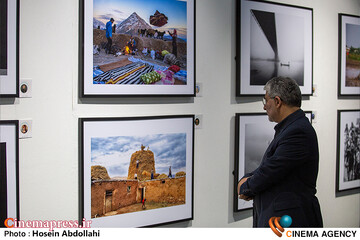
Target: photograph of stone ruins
151,181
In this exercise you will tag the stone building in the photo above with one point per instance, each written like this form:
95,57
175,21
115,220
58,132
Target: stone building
141,163
109,195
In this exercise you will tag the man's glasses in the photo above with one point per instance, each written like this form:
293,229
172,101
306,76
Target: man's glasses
264,101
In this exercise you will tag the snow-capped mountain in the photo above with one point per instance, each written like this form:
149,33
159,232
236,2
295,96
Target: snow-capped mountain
132,24
97,23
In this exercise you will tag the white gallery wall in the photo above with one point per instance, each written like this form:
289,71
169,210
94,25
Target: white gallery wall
49,160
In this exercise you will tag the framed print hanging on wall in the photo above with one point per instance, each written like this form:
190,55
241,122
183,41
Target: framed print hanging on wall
273,39
137,48
136,172
9,48
348,150
9,171
3,185
253,134
349,55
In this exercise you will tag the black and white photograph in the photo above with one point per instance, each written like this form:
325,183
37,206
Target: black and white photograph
349,55
9,169
9,45
254,133
275,40
143,166
348,159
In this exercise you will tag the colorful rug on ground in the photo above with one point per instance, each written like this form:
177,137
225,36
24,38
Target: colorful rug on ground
129,74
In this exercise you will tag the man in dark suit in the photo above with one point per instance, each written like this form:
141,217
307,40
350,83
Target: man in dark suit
285,181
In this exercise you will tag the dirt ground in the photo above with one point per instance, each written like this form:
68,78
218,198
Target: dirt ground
138,207
352,73
104,58
352,82
352,63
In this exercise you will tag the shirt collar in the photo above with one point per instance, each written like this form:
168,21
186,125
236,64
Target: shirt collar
288,120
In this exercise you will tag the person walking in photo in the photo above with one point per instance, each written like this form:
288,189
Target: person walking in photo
143,203
109,35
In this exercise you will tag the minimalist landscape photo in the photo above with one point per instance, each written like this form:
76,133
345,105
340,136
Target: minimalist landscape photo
272,47
257,139
273,39
253,136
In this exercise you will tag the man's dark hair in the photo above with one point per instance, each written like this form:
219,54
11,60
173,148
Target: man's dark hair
111,19
286,88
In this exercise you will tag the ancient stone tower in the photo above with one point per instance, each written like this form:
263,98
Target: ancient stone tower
141,164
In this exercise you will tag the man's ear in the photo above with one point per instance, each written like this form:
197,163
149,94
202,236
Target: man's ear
278,101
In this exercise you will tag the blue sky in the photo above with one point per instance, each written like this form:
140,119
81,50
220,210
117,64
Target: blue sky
121,9
114,153
353,35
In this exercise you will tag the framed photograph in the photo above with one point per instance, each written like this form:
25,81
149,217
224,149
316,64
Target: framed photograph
253,134
9,171
3,184
137,48
136,172
348,150
273,39
9,48
349,55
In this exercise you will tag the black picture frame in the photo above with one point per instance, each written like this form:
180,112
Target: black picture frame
253,134
9,156
349,56
347,165
126,74
261,54
9,48
132,139
3,185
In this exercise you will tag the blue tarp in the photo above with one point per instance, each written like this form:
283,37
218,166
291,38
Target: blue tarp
97,71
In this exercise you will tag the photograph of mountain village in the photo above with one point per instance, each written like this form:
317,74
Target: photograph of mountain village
137,173
140,42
